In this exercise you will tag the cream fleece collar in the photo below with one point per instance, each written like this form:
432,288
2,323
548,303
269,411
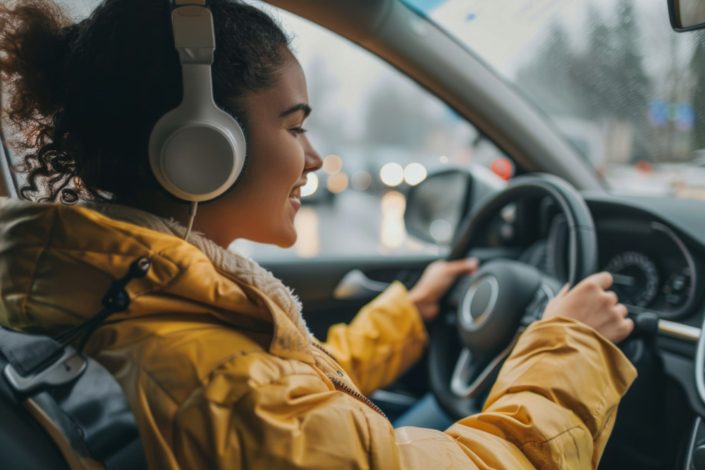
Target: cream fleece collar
235,264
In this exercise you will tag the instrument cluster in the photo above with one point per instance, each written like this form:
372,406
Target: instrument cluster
653,269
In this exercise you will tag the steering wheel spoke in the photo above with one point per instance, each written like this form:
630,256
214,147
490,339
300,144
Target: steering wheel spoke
472,375
542,297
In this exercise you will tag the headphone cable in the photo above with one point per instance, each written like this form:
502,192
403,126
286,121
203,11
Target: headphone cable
191,217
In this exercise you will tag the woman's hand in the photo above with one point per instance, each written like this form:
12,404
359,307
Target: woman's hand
435,282
589,303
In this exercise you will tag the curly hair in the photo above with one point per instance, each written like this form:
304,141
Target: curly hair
83,98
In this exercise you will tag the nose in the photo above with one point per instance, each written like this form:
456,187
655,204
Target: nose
313,160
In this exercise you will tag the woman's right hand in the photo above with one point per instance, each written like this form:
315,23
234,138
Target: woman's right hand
589,303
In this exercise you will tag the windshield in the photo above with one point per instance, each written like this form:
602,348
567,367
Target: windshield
611,75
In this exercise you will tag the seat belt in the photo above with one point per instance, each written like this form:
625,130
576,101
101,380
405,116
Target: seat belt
76,400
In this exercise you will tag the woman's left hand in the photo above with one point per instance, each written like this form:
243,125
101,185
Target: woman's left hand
435,282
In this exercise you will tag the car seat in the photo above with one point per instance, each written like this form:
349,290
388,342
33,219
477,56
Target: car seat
60,409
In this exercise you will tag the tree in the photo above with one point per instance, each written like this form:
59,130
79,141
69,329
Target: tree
595,70
547,80
631,83
605,82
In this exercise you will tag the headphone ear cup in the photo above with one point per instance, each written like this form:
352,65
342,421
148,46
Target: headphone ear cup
197,161
196,151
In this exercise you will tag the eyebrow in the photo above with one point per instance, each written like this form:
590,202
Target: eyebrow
299,107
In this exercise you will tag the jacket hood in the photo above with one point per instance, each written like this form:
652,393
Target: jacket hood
56,263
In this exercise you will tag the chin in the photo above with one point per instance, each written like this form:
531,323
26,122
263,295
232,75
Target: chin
287,240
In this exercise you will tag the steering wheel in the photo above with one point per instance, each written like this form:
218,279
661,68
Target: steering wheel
489,309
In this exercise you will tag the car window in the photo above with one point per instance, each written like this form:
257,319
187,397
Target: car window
379,133
613,77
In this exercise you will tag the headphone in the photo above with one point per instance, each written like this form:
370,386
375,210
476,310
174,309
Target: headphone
197,151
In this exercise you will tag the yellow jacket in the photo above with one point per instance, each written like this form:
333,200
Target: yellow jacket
221,375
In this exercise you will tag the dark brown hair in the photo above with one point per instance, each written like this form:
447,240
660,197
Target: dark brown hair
83,98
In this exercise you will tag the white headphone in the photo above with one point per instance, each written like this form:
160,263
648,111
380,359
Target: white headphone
196,151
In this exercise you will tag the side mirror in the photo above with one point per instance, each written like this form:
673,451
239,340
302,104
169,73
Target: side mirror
435,207
686,15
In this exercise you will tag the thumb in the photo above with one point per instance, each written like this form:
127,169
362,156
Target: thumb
564,290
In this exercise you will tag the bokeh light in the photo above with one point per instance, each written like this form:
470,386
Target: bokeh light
444,159
361,180
311,185
337,183
332,164
503,168
414,173
308,242
393,233
392,174
441,231
393,202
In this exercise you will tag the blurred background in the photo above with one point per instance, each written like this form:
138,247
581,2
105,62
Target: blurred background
611,76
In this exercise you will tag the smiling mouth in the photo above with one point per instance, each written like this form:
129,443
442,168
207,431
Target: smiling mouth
295,194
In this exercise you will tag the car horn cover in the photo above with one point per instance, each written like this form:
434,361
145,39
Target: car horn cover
494,303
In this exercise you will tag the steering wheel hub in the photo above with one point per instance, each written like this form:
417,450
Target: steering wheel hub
479,301
494,304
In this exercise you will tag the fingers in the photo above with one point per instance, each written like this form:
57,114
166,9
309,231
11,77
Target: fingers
603,279
621,310
464,266
622,325
626,328
611,298
564,290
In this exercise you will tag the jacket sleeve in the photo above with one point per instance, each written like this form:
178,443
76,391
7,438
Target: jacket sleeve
553,407
556,396
384,339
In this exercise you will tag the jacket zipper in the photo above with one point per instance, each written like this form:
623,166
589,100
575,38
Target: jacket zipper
347,388
356,394
325,351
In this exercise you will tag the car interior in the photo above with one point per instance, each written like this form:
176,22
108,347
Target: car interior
555,222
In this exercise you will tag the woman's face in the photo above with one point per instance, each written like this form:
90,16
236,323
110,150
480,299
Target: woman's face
265,201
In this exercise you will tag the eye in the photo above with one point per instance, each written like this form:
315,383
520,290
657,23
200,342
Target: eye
298,130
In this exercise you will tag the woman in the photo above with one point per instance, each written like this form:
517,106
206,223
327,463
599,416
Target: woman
213,353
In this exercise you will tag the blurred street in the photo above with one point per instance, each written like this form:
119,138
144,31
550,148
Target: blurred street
360,223
367,226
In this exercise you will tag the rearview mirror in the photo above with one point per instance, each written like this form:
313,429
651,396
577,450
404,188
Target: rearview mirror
687,15
435,207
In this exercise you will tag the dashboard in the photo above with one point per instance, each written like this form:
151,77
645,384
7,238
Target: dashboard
654,260
650,264
653,270
655,250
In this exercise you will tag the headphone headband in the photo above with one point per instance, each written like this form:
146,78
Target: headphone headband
194,35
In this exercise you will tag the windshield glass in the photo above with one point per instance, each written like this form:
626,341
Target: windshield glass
611,75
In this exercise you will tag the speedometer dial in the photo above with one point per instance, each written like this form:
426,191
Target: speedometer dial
636,279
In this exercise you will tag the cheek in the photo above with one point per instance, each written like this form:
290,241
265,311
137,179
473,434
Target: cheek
275,165
286,163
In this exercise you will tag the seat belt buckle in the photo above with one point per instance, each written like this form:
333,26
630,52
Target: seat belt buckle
65,369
